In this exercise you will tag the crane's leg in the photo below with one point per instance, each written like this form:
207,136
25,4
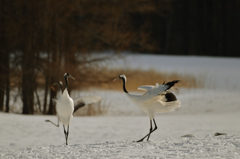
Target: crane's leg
57,125
155,128
66,134
150,131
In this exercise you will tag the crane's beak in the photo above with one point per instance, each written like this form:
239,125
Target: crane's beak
116,79
70,76
53,87
54,84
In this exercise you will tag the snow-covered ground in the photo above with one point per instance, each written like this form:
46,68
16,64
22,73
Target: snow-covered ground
205,111
112,137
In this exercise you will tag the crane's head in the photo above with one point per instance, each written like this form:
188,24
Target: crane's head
57,83
122,76
60,83
67,75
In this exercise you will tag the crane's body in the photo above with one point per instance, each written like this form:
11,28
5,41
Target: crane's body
65,105
154,105
156,99
65,108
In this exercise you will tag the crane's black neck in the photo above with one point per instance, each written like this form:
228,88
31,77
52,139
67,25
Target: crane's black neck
66,81
124,85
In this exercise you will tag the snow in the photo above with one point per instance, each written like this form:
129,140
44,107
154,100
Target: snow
207,147
205,111
112,137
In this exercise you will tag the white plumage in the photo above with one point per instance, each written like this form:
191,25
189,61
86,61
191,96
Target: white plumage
78,102
156,99
64,107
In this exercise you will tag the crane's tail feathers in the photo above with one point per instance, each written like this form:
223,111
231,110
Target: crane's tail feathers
172,83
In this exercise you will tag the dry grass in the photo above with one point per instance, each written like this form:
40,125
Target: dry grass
103,78
137,78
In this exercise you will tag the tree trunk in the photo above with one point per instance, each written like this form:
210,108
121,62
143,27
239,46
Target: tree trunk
2,51
46,89
7,95
28,49
46,94
53,79
28,83
2,82
7,82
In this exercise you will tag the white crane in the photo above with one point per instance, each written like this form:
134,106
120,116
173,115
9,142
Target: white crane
64,107
156,99
78,102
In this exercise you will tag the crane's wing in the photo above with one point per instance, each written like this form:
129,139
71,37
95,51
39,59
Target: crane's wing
145,87
82,101
148,87
88,99
157,90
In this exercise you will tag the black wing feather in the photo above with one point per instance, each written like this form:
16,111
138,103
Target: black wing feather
79,105
172,83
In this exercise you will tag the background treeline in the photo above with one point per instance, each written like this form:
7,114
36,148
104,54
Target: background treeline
42,39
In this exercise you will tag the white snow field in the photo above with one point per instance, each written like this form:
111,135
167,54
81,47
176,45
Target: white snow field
205,111
112,137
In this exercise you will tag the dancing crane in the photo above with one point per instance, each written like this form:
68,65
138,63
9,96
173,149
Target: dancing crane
156,99
65,107
78,102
